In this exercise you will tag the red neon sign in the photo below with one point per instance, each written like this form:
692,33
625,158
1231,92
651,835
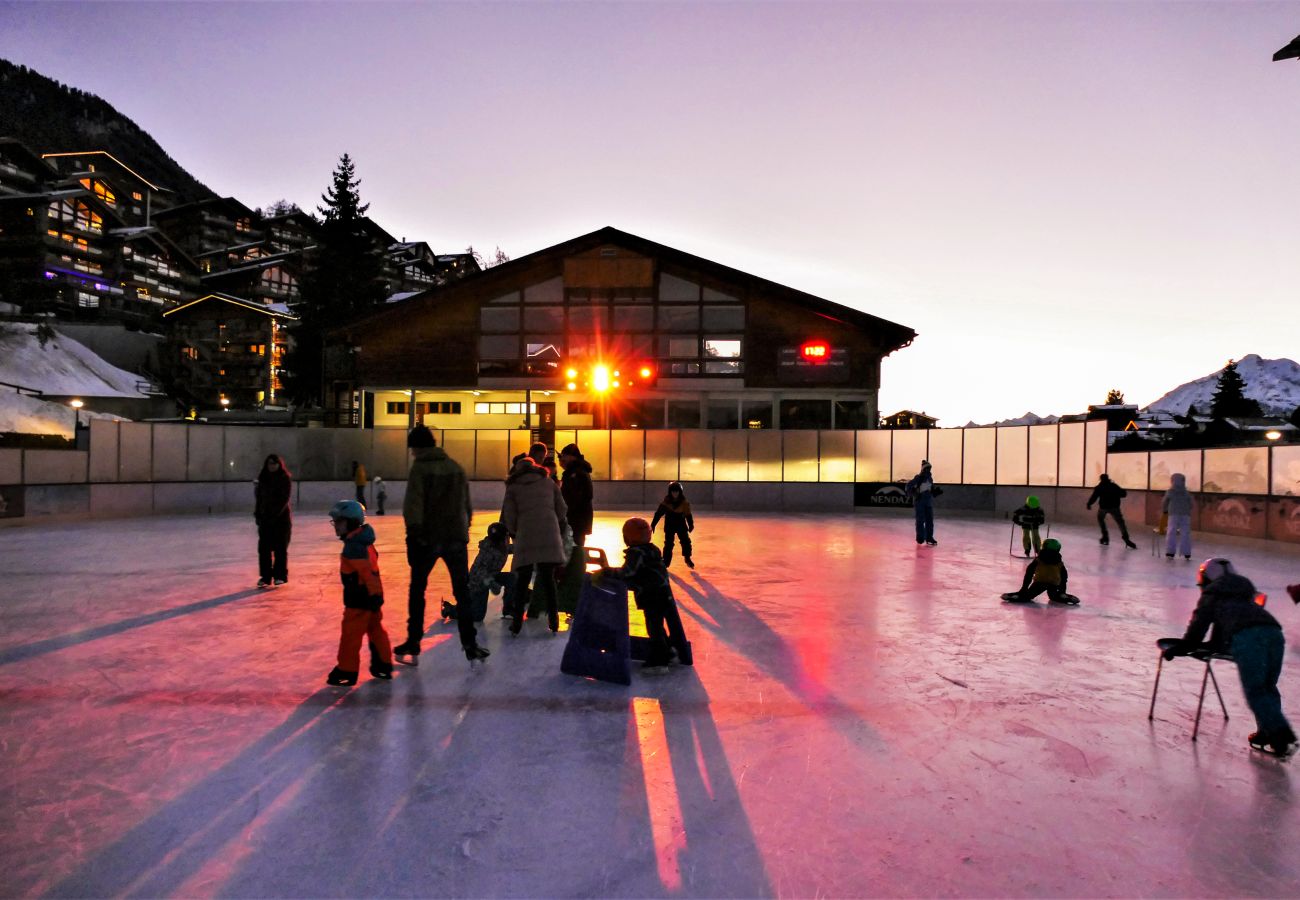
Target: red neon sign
816,351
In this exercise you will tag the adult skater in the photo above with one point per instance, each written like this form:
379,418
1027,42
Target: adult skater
1253,636
1177,505
534,513
359,481
575,487
922,491
437,513
1107,495
271,511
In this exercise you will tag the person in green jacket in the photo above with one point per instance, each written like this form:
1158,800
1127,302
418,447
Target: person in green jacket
437,513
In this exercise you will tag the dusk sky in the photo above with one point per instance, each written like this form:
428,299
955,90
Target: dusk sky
1060,198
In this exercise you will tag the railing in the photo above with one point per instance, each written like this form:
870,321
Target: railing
22,389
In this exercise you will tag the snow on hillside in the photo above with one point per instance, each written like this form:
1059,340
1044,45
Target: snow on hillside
64,367
22,414
1028,418
1275,383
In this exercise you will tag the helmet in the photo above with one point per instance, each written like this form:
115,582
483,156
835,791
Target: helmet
348,509
1031,501
1052,544
498,532
1213,569
636,531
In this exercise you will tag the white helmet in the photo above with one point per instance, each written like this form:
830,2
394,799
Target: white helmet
1213,569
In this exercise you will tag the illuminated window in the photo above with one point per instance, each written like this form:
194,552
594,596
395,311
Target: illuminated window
142,293
136,195
101,189
243,224
190,352
277,281
581,408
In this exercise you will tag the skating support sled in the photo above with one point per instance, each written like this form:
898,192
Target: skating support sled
1203,654
1015,533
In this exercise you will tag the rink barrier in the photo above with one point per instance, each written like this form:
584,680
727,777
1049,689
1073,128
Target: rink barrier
143,468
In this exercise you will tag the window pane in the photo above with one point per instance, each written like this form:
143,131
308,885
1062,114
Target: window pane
724,414
682,347
712,296
683,414
684,369
677,290
636,414
756,414
852,414
724,318
547,292
722,367
544,318
633,318
804,413
722,348
498,347
512,297
679,318
499,319
587,318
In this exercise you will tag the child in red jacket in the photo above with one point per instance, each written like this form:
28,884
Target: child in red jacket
363,596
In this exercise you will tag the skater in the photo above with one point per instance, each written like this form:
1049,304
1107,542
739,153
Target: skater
646,574
437,514
534,514
1253,636
359,480
1046,574
675,510
575,487
363,597
1107,495
922,490
1030,518
486,574
381,494
1177,505
274,521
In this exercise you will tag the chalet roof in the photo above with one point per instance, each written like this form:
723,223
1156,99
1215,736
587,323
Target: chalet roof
17,147
274,310
261,262
121,164
229,202
230,249
896,336
911,412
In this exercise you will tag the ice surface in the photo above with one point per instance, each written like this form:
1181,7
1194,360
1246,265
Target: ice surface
864,718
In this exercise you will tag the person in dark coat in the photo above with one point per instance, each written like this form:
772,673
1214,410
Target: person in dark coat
1045,575
1030,518
271,511
1107,495
675,510
575,487
922,490
1253,637
646,574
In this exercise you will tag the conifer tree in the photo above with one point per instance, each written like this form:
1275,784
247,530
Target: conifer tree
1230,395
344,280
1115,397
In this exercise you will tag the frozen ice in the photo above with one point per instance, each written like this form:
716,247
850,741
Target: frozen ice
864,718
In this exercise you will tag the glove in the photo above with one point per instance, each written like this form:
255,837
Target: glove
690,528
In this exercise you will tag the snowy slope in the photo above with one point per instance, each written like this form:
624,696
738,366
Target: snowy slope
63,367
22,414
1275,383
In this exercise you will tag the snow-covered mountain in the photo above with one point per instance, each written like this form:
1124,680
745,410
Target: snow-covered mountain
1028,418
1275,383
62,367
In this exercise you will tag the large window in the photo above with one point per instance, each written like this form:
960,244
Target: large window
683,414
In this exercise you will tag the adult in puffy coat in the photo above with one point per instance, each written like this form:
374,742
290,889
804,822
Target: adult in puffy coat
1177,505
271,511
575,487
534,512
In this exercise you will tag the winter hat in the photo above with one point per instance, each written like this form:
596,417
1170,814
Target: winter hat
1052,544
1212,570
636,531
420,438
498,532
571,450
1031,501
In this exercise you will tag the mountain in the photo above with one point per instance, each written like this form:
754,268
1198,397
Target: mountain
50,117
1028,418
1275,383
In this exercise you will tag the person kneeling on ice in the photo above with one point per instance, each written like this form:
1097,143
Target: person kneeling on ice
1030,518
363,597
486,574
644,572
1243,628
1046,574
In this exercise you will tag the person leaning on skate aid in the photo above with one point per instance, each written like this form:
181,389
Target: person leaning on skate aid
644,572
1046,574
1030,518
1242,627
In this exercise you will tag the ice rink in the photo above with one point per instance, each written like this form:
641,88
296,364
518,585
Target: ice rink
864,718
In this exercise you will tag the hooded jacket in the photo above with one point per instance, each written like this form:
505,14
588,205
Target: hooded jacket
534,513
1178,500
575,487
643,571
677,515
359,570
1107,494
1228,604
1029,516
274,492
436,507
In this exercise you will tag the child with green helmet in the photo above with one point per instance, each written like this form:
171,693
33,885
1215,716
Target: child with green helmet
1046,574
1030,518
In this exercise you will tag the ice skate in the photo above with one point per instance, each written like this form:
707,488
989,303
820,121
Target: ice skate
690,563
381,670
1276,745
474,653
932,542
1129,543
1015,597
448,610
1065,599
1104,541
517,626
263,583
280,582
407,653
339,678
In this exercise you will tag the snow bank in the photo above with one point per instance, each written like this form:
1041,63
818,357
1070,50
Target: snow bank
63,366
22,414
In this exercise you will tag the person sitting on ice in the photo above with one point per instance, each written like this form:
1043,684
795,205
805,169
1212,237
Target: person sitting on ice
1030,518
1243,628
485,574
644,572
1046,574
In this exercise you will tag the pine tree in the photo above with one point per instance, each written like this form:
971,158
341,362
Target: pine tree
1115,397
1230,395
344,280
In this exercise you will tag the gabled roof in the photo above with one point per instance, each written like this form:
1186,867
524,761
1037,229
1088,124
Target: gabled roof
274,310
18,148
897,335
231,202
119,162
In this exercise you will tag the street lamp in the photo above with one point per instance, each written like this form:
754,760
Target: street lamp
76,416
225,403
1273,435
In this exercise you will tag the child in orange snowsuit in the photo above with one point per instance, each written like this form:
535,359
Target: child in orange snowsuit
363,597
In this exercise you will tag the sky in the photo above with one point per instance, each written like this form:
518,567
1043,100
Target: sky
1060,198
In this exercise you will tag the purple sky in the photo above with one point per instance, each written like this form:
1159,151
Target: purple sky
1061,198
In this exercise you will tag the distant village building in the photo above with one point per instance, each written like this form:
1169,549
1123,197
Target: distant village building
907,419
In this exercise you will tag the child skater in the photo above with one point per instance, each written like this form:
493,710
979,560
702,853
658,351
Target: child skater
675,510
1030,518
363,596
486,574
645,573
381,494
1046,574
